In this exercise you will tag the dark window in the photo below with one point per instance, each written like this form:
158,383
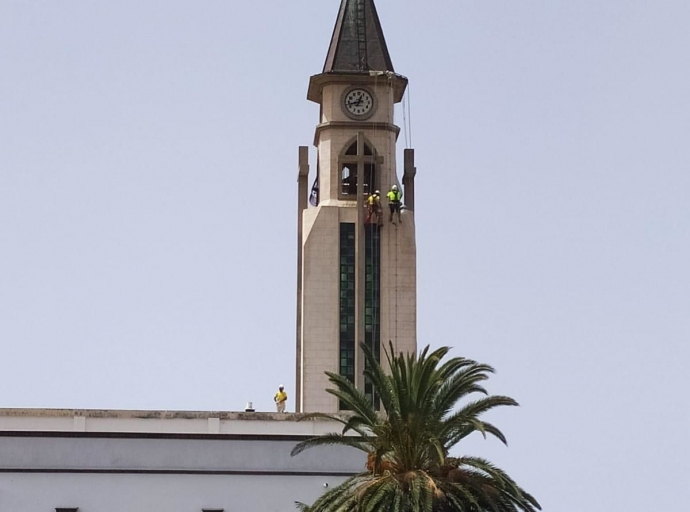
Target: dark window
347,302
212,509
66,509
372,301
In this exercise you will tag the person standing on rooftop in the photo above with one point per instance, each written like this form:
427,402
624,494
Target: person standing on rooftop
280,399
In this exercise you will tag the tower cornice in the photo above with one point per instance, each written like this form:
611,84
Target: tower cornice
355,125
318,82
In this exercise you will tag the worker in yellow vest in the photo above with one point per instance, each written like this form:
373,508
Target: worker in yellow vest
394,196
280,399
374,208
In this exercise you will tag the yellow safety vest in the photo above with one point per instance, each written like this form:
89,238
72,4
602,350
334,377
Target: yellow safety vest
394,195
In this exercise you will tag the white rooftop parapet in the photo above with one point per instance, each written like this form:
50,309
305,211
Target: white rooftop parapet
162,422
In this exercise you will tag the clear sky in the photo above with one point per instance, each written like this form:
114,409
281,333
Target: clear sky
148,162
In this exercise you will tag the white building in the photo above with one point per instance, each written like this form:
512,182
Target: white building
143,461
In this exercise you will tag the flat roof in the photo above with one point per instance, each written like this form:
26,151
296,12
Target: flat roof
170,422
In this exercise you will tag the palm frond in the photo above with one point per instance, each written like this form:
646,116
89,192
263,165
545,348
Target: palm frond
408,467
333,438
352,397
321,416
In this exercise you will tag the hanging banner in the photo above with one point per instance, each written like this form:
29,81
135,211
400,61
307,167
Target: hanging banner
314,196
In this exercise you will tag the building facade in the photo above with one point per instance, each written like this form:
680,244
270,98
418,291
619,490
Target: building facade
356,278
143,461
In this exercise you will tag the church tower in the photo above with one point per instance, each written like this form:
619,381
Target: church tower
356,280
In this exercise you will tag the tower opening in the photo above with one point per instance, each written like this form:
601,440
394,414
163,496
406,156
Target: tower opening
350,163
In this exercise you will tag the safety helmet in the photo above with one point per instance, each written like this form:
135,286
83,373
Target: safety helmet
281,386
394,187
377,192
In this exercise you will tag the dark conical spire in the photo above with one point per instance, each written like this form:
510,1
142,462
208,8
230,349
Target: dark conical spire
358,43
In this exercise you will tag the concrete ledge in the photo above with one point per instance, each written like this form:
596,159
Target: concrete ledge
172,422
129,414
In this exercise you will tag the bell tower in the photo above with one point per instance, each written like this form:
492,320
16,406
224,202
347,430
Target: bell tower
356,279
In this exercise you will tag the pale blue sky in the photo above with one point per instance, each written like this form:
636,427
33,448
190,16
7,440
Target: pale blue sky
148,159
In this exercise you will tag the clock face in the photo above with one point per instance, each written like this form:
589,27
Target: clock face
358,103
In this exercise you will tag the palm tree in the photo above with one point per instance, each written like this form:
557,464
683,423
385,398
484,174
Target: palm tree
408,464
